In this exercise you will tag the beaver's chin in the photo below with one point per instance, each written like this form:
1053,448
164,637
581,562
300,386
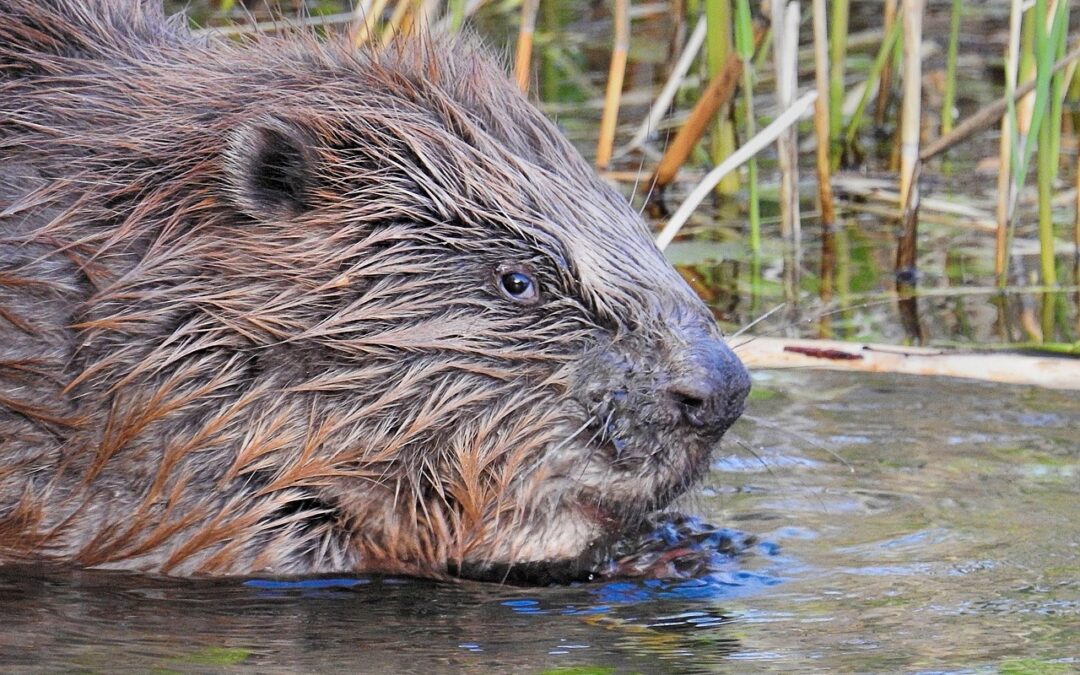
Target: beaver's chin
614,496
642,479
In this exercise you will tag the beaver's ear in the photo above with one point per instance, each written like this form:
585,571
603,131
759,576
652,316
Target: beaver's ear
270,164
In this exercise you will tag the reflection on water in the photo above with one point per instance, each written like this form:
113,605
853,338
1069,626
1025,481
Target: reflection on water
958,301
945,536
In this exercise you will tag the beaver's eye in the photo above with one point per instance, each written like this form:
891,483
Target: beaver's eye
518,285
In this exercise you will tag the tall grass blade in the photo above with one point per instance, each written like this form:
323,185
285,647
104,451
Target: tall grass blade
836,61
885,81
744,46
948,104
718,42
885,52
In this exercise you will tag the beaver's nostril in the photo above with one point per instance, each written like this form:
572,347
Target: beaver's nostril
710,392
691,400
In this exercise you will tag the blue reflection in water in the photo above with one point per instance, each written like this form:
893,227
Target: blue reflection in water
722,555
712,586
312,588
724,575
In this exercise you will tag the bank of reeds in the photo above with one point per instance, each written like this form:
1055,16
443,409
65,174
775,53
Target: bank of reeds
732,71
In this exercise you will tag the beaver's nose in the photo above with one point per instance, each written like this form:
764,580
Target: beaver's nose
710,391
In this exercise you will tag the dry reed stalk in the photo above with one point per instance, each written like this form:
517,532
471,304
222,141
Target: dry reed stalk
910,168
821,113
364,19
824,168
523,56
990,113
403,10
671,87
720,90
785,18
1004,186
616,73
751,147
911,114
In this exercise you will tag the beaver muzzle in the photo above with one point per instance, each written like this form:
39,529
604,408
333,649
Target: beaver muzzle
664,399
710,392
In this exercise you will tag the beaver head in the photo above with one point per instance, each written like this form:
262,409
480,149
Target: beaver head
338,311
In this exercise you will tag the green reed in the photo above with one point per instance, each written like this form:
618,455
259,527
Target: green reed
1033,129
885,52
457,14
948,104
1042,50
718,46
838,32
1057,94
744,47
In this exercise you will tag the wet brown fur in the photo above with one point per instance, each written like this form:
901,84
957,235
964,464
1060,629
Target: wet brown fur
250,318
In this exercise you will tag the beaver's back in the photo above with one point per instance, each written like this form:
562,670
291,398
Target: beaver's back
84,31
60,98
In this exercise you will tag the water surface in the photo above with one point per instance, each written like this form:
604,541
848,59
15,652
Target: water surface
909,524
945,537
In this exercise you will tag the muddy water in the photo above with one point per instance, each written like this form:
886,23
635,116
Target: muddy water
943,536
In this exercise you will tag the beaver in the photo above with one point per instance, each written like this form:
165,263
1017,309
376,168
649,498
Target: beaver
286,307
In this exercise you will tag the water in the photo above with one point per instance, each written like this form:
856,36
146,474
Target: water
943,538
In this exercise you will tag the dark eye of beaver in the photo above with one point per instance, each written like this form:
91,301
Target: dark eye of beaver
518,284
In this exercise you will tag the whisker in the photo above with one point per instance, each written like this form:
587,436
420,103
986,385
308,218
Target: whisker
816,317
591,445
802,437
754,453
758,320
637,182
574,435
652,185
801,483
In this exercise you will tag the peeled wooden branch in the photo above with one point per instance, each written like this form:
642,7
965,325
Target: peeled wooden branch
1051,372
753,146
